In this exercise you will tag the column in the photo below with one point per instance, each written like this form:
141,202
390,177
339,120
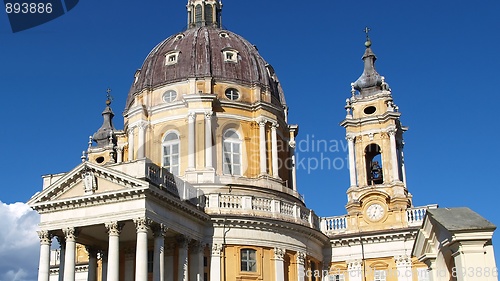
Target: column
279,266
119,157
169,261
294,168
114,229
352,160
130,143
182,270
274,149
262,147
191,140
159,253
403,267
70,255
92,271
104,269
403,168
354,270
394,156
141,149
141,252
215,262
128,265
62,255
196,268
44,264
301,269
208,140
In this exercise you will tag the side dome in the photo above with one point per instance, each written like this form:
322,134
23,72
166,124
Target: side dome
202,52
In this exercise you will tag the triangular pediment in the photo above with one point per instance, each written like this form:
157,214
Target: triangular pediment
86,180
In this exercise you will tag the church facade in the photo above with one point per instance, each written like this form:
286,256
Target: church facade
200,184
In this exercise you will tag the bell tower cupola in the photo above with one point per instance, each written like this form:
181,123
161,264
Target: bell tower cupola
204,13
375,141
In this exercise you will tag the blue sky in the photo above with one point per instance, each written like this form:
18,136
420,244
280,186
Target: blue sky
439,57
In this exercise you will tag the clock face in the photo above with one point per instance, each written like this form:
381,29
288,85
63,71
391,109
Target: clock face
375,212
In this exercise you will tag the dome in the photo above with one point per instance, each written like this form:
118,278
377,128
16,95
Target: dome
206,51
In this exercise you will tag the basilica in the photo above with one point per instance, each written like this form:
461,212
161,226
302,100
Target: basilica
200,183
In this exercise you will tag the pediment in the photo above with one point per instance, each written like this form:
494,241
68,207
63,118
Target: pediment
86,180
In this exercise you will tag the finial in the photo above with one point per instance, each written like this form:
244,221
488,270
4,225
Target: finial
109,98
84,156
368,42
90,141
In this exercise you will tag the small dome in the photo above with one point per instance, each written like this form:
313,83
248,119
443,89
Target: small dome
205,51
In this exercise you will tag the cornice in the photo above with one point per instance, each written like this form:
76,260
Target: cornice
379,236
266,224
377,119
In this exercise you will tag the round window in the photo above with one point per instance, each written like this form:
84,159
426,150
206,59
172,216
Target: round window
370,110
232,94
169,96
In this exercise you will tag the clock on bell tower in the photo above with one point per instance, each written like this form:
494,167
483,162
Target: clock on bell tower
377,196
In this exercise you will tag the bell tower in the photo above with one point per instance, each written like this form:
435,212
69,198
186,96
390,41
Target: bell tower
377,196
204,13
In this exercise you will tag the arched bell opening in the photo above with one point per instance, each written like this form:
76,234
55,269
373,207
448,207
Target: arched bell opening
373,162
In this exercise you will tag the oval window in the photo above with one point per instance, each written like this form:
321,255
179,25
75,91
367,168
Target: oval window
370,110
232,94
169,96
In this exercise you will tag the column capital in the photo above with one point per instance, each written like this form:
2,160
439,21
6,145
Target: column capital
45,237
292,144
208,115
392,132
274,125
262,122
197,247
70,233
301,258
350,138
183,241
169,249
159,230
143,125
92,251
114,228
279,253
142,224
191,116
217,249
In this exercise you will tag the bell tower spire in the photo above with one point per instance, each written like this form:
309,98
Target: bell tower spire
204,13
377,196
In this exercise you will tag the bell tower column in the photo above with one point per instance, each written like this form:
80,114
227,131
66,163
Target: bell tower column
352,160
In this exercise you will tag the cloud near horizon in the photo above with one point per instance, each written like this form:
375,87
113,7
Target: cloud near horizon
19,243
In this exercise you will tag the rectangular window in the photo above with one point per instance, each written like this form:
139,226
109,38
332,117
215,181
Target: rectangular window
336,277
379,275
423,274
248,260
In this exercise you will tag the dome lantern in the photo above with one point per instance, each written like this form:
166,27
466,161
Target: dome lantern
204,13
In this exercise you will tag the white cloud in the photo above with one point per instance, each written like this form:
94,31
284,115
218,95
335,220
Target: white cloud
19,244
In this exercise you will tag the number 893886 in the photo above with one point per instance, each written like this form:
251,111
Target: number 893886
28,8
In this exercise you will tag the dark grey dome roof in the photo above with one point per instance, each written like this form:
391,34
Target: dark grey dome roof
200,54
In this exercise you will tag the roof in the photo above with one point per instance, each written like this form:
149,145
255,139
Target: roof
460,219
201,54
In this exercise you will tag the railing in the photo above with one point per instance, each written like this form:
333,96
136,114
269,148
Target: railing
415,216
339,224
334,224
174,185
247,205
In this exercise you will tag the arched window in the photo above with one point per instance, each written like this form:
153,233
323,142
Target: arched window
248,260
171,152
373,162
209,16
231,147
198,13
